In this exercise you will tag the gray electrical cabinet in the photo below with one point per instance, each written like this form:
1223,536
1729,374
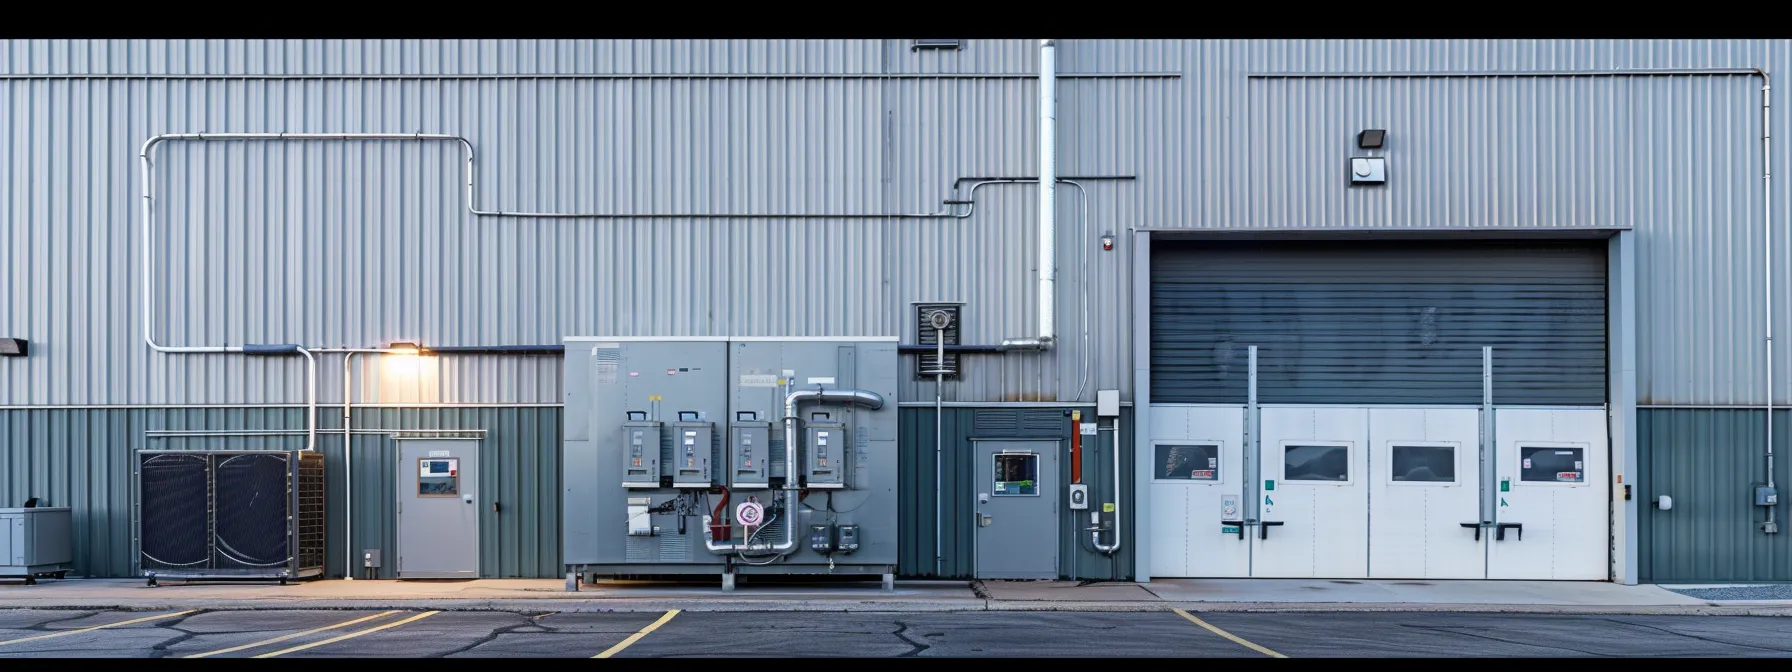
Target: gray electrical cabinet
675,456
36,541
749,445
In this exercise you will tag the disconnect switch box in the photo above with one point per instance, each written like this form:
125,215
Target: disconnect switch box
693,445
848,540
821,539
640,452
749,456
828,451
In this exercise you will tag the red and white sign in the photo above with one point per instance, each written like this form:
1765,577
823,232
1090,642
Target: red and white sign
1567,475
750,514
1201,474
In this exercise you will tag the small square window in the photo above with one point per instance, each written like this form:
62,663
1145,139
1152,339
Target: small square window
1016,474
1199,462
1551,464
1316,463
1424,464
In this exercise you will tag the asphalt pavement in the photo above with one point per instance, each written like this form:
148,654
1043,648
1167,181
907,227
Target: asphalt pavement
1008,634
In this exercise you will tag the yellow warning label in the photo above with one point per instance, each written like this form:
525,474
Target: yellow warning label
1107,507
782,381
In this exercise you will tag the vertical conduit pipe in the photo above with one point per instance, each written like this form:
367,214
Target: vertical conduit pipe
1048,187
1767,266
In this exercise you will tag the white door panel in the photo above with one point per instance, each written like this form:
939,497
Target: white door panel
1425,483
1197,454
1314,468
1552,475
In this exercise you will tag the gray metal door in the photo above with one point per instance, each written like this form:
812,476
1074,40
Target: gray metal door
438,508
1017,509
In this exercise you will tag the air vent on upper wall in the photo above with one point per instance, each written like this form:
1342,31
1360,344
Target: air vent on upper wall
949,45
929,317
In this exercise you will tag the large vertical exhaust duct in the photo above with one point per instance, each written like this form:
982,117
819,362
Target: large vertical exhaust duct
1048,202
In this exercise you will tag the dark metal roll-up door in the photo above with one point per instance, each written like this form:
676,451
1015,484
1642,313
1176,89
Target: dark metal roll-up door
1379,322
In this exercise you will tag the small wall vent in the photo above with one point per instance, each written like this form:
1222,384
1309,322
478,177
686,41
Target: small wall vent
927,316
943,45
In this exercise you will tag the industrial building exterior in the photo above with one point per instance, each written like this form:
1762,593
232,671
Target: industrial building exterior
1422,309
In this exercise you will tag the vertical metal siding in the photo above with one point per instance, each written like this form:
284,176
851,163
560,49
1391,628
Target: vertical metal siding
1379,322
1709,461
81,458
915,519
354,244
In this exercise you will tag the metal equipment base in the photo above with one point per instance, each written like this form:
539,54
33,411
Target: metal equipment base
730,574
155,576
31,573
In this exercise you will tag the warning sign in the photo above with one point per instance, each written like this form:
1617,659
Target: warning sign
1201,474
1569,476
750,514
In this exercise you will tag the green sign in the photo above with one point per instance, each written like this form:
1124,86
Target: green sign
1229,529
1505,485
1269,485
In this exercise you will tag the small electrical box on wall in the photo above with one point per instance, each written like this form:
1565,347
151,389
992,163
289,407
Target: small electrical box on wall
1079,496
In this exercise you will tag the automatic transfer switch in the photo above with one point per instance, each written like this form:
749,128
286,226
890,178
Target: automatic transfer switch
749,451
692,448
640,452
825,465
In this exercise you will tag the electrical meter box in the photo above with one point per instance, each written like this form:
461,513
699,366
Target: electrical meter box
693,450
827,464
848,540
821,539
640,452
749,449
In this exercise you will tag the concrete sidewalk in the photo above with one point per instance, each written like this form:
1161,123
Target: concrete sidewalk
764,594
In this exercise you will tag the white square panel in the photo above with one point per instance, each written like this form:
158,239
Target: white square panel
1368,170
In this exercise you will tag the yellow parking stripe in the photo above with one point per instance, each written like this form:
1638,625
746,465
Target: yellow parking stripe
98,627
637,636
351,635
1228,635
283,638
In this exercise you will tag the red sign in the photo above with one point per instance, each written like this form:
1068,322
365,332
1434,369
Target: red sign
1567,475
1204,474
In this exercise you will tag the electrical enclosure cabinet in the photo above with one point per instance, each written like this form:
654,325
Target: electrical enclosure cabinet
827,460
693,451
640,452
749,442
36,541
708,418
234,515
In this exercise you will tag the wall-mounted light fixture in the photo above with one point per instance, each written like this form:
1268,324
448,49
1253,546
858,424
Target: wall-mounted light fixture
404,348
947,45
14,347
1371,139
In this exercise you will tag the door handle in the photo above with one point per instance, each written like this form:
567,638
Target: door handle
1499,533
1238,524
1263,528
1477,527
983,520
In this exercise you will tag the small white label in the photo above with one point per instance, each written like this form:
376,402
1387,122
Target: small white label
606,346
1213,463
440,453
758,380
1527,463
821,381
1089,429
789,373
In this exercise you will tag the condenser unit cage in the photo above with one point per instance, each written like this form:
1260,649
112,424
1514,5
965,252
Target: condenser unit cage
229,514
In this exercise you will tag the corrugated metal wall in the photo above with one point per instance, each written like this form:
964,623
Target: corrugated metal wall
1708,461
1379,322
81,458
1077,559
355,244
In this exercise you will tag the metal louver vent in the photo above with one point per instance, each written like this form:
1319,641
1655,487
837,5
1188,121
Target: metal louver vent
930,364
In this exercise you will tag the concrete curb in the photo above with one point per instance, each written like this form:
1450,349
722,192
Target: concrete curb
740,604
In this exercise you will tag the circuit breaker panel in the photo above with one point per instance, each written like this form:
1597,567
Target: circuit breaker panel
750,441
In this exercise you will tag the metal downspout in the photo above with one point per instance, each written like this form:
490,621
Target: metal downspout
1048,184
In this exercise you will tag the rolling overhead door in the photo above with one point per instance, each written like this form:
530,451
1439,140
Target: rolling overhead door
1379,322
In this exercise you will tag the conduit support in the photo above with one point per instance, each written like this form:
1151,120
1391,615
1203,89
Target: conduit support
792,439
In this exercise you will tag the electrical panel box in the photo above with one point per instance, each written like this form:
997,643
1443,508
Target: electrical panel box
1765,496
370,558
827,464
640,519
749,447
848,540
821,539
693,448
640,452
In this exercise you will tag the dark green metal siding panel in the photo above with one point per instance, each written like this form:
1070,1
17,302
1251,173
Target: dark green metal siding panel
1379,322
81,458
1708,461
1077,559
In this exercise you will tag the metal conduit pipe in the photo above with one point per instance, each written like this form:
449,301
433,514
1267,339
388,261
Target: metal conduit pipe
1118,503
792,438
1048,202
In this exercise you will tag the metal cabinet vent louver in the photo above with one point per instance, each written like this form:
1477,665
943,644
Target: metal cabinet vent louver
925,334
230,514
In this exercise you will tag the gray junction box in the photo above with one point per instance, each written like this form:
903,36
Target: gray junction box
710,418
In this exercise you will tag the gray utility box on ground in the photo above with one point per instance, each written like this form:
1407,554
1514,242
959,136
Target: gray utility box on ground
712,412
35,542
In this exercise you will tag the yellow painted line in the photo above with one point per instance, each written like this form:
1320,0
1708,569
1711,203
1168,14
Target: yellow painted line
637,636
1235,638
283,638
351,635
97,627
